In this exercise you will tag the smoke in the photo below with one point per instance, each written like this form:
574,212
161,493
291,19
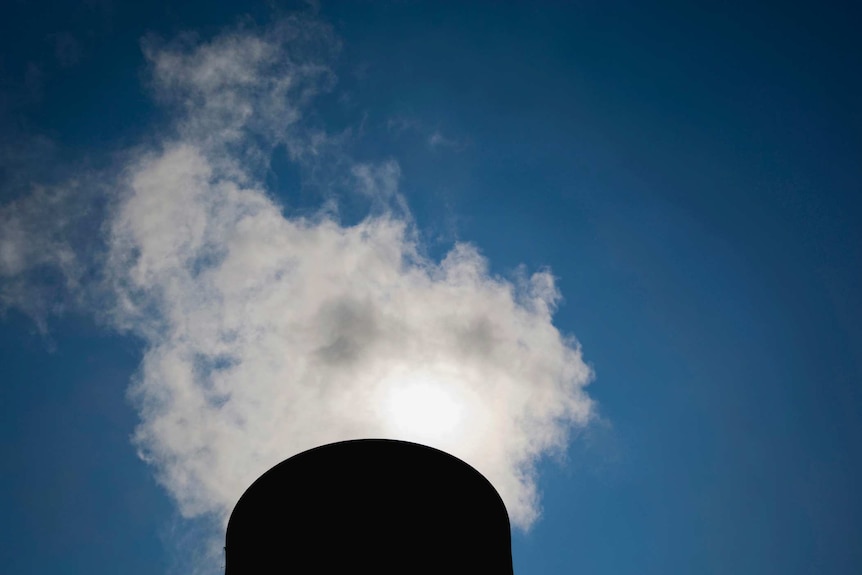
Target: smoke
268,333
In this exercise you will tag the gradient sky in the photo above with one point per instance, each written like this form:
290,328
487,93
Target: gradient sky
690,173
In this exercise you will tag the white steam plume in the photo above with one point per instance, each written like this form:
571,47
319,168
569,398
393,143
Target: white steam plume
268,334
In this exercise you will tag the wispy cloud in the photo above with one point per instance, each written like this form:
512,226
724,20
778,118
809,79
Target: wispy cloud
434,138
67,49
41,269
268,333
437,140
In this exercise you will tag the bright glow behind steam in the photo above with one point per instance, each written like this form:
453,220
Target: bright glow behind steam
425,411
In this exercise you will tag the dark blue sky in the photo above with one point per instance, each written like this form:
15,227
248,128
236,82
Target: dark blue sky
691,173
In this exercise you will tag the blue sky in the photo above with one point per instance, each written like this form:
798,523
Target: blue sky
689,175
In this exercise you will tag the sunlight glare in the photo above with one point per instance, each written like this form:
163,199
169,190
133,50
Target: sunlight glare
424,410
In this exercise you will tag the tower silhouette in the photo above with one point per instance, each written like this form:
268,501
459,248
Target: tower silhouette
370,505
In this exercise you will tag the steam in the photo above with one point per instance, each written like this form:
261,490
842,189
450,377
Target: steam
268,333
